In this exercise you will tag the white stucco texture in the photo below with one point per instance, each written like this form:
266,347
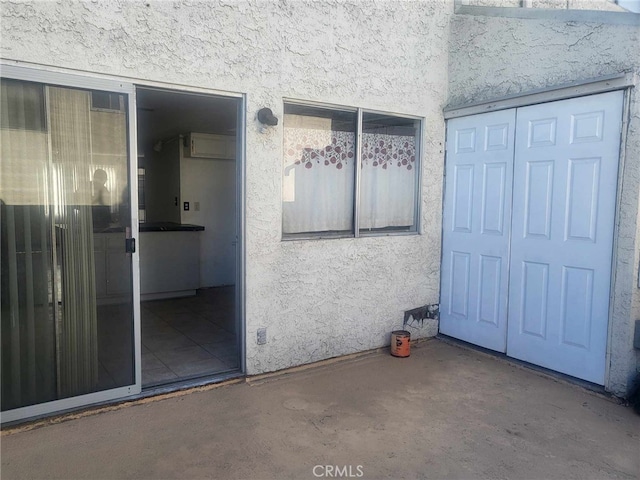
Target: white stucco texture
318,299
496,56
323,298
608,5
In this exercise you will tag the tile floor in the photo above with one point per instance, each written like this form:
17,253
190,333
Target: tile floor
182,338
189,337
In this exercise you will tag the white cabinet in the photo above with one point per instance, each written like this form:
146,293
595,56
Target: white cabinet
169,264
164,196
204,145
112,267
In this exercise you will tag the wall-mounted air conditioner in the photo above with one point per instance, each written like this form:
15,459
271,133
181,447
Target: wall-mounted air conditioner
206,145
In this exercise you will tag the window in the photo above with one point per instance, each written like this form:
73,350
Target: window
23,106
388,176
325,165
107,101
319,170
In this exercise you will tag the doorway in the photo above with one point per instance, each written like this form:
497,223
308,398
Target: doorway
529,214
188,189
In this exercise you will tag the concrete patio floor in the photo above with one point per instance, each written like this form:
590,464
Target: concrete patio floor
444,412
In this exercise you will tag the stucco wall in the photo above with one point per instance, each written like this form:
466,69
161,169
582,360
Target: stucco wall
608,5
318,299
493,56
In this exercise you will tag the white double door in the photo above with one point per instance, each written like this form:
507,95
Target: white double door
529,211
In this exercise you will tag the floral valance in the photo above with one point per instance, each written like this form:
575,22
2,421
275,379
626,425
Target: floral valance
311,148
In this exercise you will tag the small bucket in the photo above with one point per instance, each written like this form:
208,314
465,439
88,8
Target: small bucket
400,343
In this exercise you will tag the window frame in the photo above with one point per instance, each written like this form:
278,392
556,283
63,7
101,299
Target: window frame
355,226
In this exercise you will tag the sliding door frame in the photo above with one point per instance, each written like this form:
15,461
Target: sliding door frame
57,78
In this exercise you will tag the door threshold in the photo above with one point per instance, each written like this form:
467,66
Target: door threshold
546,372
160,392
160,389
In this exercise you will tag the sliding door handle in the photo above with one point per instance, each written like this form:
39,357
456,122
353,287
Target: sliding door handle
130,245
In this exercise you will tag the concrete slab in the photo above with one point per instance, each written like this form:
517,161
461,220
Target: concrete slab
444,412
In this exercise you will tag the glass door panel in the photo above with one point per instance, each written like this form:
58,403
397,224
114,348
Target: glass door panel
66,290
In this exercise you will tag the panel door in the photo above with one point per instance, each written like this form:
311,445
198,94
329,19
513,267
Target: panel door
477,212
565,170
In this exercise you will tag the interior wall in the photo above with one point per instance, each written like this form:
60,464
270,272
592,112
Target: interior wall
212,184
162,183
493,56
318,299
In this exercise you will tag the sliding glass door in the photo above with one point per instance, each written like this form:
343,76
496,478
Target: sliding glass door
67,303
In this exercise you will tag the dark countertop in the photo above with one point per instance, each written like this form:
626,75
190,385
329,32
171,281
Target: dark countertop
154,227
169,227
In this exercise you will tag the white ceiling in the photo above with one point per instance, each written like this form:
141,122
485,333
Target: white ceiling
164,114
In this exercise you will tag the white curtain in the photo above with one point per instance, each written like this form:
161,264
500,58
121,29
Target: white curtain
387,181
28,346
319,168
27,320
319,179
25,153
70,131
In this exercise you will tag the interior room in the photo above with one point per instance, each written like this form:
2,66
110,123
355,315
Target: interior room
66,317
187,211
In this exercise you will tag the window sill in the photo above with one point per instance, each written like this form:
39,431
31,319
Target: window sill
350,235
